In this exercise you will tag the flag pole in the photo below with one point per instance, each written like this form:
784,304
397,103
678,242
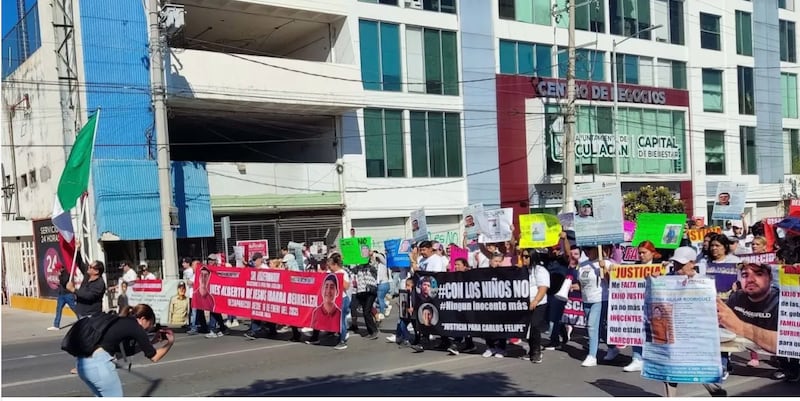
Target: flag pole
85,200
81,212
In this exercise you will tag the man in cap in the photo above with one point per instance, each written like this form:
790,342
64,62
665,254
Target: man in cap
585,208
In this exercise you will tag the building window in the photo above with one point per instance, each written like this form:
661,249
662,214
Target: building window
432,61
32,177
786,4
435,144
746,90
23,181
747,145
668,14
744,33
387,2
646,76
588,64
530,11
794,150
789,94
445,6
715,152
788,41
712,90
589,16
627,69
383,143
671,74
525,58
709,32
380,55
629,17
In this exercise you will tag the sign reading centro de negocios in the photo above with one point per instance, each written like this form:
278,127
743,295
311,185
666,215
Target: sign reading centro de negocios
603,91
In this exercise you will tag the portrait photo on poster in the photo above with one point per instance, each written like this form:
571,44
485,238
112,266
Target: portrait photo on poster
585,208
469,221
428,315
327,314
724,199
660,322
670,235
427,288
538,231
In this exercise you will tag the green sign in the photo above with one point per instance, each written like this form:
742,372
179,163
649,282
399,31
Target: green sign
355,250
664,230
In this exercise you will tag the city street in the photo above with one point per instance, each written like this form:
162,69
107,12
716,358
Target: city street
34,365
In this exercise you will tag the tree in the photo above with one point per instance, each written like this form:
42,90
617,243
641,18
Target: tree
650,199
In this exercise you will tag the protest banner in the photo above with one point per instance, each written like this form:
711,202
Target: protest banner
630,253
419,225
599,218
471,214
724,275
626,300
538,230
445,237
480,302
495,225
665,230
789,321
682,338
573,310
157,294
760,258
252,246
456,253
696,235
394,257
729,201
355,250
291,298
567,221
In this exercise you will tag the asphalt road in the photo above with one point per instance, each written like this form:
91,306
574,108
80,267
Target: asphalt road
232,366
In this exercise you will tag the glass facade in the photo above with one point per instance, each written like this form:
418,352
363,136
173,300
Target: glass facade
380,55
526,58
383,143
435,144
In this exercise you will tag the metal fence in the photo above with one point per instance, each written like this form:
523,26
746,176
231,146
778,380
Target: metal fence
21,41
19,270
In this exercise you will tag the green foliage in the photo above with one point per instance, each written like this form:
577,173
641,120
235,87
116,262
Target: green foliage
650,199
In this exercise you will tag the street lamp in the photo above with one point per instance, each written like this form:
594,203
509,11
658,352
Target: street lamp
616,94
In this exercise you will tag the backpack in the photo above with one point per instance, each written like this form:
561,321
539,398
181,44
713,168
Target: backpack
85,335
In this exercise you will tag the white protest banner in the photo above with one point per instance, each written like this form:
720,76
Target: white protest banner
789,321
495,225
599,219
626,302
682,337
730,200
470,215
157,294
419,225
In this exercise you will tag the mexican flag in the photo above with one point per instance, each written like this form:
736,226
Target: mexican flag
73,184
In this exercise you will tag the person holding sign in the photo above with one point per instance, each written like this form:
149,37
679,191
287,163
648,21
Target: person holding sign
647,255
425,259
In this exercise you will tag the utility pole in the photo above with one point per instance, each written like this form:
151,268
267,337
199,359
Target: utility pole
569,121
169,246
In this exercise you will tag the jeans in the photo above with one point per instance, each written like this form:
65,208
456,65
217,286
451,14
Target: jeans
65,299
398,277
100,374
402,331
383,289
637,353
343,330
365,300
592,313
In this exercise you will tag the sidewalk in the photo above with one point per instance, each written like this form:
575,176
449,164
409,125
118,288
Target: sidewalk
19,325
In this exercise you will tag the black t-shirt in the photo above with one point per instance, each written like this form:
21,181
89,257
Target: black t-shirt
128,331
762,314
558,271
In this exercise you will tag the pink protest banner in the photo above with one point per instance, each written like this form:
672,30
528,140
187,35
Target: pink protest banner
292,298
760,258
457,253
628,227
251,247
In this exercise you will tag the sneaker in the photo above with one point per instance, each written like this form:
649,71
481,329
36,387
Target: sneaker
753,363
469,349
341,346
611,354
306,329
500,354
526,357
249,335
536,358
589,362
452,350
284,329
234,323
388,310
312,342
488,353
391,339
381,316
346,336
635,366
404,344
552,348
220,334
725,375
417,348
53,328
779,375
192,332
211,335
373,336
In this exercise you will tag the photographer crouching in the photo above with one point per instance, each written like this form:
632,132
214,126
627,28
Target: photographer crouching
134,331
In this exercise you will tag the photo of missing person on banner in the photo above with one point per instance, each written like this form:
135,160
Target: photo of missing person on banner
327,314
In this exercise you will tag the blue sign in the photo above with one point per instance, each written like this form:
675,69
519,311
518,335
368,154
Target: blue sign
397,253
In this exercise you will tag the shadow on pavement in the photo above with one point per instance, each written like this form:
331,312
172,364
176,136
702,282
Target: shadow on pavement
619,389
774,389
414,383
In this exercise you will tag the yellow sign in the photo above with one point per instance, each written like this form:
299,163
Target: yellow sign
789,276
538,230
637,272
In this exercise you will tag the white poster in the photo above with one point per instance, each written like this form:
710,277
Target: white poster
419,226
789,322
598,217
471,214
157,294
495,225
729,201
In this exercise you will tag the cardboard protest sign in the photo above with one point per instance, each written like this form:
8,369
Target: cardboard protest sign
419,225
599,219
729,201
538,230
355,250
665,230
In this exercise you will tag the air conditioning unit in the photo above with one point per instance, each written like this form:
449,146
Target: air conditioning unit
414,4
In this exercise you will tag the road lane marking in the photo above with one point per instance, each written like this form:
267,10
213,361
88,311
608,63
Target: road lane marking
150,365
19,358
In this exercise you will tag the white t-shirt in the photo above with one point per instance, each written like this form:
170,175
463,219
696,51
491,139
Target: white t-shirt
149,276
129,277
540,277
591,282
483,261
433,263
188,278
345,280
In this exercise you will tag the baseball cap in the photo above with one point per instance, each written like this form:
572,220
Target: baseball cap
181,284
737,223
584,202
684,255
212,256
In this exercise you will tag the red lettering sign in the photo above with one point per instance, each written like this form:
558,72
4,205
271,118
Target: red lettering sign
604,92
